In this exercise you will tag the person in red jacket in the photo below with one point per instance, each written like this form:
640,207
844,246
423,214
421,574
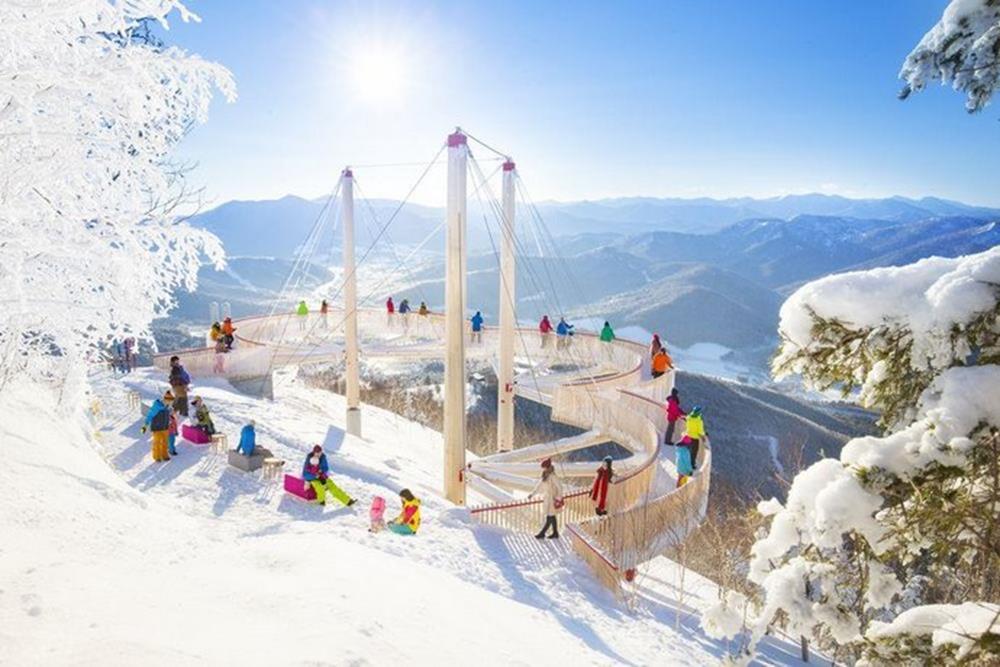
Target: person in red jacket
599,492
545,330
674,413
390,308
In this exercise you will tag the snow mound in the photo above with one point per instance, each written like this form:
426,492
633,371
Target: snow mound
191,561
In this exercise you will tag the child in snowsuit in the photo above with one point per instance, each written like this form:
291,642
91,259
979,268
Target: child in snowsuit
377,515
408,521
158,421
316,473
683,461
599,491
172,432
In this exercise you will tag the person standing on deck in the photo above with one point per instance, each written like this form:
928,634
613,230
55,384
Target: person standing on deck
695,430
684,461
655,346
423,309
545,330
661,363
477,327
302,312
563,332
607,333
324,311
674,413
158,421
390,310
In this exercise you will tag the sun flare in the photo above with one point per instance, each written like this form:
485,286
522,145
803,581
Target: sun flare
379,75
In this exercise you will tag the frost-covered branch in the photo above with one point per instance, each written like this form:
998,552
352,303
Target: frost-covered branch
91,106
962,49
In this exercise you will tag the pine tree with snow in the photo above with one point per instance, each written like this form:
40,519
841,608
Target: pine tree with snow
962,49
892,551
91,106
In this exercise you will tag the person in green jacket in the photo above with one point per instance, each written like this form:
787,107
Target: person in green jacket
302,311
607,333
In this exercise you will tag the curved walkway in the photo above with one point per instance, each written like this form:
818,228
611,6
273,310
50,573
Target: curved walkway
596,386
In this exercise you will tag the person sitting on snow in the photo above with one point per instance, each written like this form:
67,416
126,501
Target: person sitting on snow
203,416
408,521
316,472
248,439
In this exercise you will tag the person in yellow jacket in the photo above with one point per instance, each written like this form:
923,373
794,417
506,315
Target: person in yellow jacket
694,428
408,521
215,333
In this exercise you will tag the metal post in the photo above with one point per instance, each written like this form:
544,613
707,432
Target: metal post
505,377
454,364
352,386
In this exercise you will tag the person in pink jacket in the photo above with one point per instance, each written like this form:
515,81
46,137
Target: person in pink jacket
674,413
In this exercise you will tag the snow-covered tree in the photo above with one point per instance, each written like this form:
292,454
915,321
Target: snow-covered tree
906,524
90,108
962,49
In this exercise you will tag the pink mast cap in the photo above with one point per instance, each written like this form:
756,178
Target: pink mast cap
508,165
457,139
347,173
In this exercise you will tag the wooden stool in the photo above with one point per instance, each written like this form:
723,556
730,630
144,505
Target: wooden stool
133,400
272,468
220,442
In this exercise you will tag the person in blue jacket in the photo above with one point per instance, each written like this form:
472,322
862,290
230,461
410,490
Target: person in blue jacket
477,327
316,471
248,439
683,461
563,331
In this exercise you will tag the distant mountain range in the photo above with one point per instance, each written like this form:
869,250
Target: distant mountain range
697,270
277,228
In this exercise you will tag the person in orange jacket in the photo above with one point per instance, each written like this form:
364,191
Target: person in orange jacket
599,491
661,362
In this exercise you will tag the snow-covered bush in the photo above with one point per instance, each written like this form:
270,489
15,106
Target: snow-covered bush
908,519
90,108
962,49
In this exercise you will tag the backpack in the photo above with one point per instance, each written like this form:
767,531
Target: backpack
160,421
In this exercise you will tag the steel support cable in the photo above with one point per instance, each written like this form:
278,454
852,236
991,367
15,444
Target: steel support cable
367,252
569,350
503,282
498,213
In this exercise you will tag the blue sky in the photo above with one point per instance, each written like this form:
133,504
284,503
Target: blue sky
592,99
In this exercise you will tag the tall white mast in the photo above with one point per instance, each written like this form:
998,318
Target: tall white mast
454,364
505,377
352,391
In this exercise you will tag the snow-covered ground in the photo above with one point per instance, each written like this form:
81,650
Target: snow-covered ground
109,558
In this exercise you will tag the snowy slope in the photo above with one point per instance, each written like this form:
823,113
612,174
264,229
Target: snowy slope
109,558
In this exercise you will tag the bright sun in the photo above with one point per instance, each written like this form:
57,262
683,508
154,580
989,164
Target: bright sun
379,75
